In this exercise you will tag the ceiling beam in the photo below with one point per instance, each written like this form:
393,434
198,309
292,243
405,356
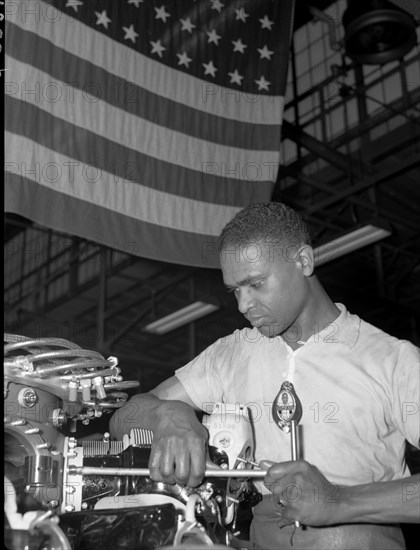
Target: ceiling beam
399,106
379,211
380,177
319,148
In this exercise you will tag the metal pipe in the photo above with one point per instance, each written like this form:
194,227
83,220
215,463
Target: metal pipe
23,342
293,440
86,375
145,472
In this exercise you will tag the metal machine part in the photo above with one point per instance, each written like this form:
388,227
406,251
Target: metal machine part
58,487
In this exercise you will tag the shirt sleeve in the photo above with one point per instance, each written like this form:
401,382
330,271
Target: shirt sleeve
201,377
406,392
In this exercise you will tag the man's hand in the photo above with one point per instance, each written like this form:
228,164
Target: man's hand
179,445
301,493
179,440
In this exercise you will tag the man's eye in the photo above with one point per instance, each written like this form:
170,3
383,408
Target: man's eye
257,285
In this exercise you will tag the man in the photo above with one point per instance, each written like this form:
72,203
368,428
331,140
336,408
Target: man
359,390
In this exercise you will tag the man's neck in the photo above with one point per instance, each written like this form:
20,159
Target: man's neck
320,312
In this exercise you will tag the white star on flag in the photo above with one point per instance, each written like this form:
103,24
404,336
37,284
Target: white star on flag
130,33
216,5
184,59
241,15
136,2
239,46
262,83
74,4
103,19
157,47
266,23
209,68
187,25
213,37
265,53
161,13
235,77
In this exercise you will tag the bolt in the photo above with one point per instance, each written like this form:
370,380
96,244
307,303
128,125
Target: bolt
58,418
69,508
27,398
45,445
20,422
84,505
32,431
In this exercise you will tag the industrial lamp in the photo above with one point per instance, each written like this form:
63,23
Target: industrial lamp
180,317
360,237
377,31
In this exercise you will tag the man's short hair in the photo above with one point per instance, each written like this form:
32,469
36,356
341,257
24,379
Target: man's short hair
271,222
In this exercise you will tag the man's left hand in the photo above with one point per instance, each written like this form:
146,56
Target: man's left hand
301,493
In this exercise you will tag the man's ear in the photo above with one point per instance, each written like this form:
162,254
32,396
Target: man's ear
306,259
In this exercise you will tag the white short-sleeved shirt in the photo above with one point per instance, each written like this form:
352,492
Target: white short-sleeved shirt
359,388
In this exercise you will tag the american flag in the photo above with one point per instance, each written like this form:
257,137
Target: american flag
144,125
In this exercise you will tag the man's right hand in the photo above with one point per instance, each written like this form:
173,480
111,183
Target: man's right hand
179,445
179,442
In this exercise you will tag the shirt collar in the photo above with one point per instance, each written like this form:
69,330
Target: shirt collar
343,330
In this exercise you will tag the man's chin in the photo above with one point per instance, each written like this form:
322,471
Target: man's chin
270,331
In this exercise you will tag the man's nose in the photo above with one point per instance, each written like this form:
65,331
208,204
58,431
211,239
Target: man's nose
245,300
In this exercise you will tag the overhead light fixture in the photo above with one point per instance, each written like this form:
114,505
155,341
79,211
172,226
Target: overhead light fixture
377,31
345,244
180,317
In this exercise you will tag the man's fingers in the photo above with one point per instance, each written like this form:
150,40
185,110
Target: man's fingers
154,464
182,470
168,468
197,467
176,463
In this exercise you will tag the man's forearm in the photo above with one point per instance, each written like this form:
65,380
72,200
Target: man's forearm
141,411
381,502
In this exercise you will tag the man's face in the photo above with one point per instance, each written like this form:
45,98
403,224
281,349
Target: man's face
269,285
